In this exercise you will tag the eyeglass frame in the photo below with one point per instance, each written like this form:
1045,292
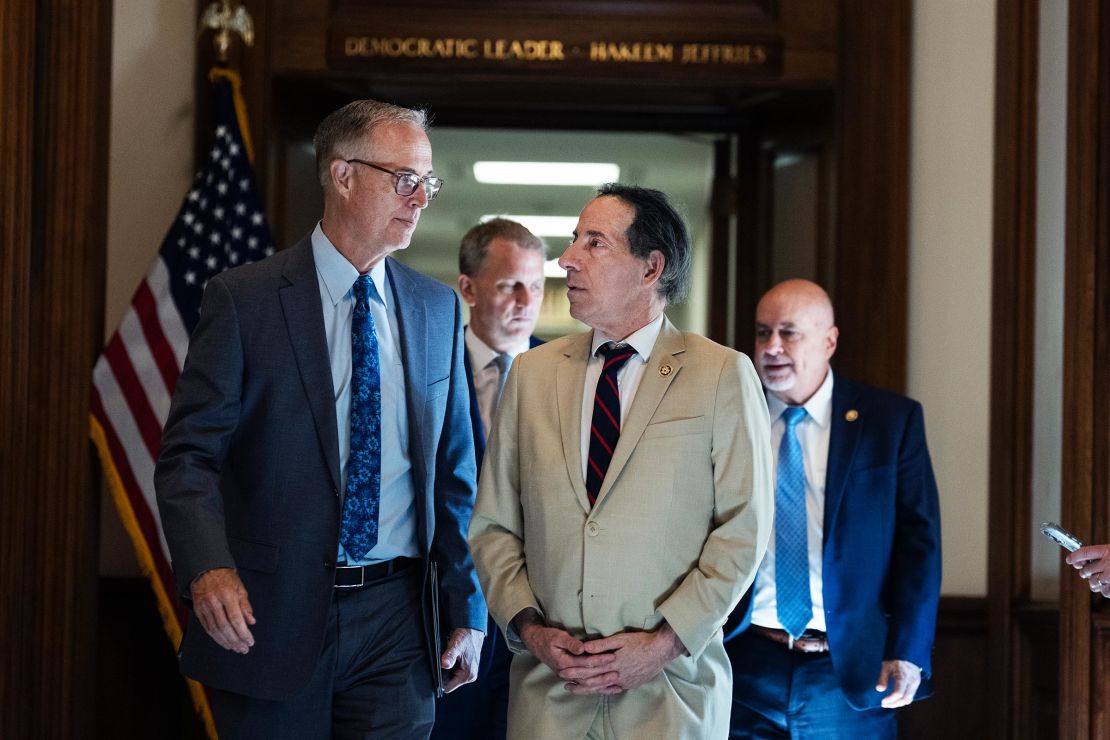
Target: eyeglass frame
430,183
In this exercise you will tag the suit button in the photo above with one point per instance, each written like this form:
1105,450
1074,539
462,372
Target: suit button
592,529
328,563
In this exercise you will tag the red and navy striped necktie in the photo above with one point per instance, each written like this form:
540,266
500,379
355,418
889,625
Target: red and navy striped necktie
605,428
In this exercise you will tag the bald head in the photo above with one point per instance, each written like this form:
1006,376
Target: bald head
795,336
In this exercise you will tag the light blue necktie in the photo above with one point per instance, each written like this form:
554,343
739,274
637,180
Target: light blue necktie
503,362
791,542
359,529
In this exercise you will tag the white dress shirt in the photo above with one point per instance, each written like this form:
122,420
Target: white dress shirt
485,374
628,379
397,507
813,434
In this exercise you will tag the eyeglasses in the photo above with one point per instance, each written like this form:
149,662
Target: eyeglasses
406,183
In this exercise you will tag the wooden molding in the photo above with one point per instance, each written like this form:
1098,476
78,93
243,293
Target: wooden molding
1086,437
1012,353
54,89
872,229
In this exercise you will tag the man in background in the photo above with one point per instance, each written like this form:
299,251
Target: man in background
317,467
501,280
838,629
625,498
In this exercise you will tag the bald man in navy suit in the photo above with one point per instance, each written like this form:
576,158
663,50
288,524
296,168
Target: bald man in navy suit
501,280
838,629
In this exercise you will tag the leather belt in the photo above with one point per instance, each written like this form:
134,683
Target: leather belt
809,642
357,576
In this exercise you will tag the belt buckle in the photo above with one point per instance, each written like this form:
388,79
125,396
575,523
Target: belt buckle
789,641
361,577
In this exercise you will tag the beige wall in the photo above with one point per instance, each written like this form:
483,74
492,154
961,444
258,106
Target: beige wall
149,170
952,146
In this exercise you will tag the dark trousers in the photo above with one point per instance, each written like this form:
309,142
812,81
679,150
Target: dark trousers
479,710
780,693
373,678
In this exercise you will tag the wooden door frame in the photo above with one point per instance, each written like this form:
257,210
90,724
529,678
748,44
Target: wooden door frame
55,91
1085,620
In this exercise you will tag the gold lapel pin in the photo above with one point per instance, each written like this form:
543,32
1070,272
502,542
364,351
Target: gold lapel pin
665,370
852,415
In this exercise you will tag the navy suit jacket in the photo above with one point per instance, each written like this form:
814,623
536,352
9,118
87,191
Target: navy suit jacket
881,547
248,475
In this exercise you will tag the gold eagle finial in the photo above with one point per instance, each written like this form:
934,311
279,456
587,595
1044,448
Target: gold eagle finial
220,17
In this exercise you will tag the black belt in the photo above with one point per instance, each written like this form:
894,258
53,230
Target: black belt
810,641
357,576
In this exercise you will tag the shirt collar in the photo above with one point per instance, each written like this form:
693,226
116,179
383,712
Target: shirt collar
481,354
819,405
642,340
337,272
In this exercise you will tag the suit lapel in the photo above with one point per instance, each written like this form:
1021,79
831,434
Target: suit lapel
843,437
570,375
412,325
653,385
475,413
300,304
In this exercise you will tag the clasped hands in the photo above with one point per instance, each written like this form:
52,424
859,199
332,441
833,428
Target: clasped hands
608,665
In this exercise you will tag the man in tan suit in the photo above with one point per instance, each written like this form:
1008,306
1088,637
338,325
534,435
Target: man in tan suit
626,497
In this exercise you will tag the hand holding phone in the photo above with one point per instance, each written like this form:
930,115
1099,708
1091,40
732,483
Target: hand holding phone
1061,536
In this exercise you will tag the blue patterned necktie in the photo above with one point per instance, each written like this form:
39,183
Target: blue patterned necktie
791,542
605,428
359,529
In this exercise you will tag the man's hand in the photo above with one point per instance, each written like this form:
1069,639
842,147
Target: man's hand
558,649
637,658
1093,563
906,677
464,650
220,603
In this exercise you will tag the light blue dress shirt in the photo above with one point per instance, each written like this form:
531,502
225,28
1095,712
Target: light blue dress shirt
397,509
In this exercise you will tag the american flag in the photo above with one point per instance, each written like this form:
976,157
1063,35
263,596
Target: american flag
220,225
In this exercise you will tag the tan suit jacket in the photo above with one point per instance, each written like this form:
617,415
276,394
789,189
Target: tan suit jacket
679,528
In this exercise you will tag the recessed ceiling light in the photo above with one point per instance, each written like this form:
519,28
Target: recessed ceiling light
558,226
546,173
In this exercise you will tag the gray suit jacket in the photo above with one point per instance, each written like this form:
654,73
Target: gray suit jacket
248,475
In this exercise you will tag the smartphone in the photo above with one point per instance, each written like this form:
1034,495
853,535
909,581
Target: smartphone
1061,536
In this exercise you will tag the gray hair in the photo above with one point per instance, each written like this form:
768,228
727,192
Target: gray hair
353,122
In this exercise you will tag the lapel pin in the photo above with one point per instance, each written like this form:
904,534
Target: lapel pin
852,415
665,370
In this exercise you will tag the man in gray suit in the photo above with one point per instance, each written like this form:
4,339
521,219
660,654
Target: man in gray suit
317,469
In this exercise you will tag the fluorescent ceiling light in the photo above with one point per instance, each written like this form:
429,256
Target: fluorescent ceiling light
558,226
546,173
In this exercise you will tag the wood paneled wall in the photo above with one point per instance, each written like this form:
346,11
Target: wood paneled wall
1085,620
54,91
869,284
1012,353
